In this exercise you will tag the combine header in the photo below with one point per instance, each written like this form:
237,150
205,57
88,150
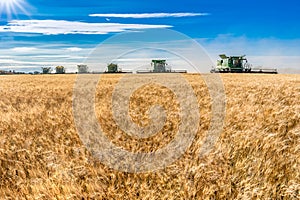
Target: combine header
238,64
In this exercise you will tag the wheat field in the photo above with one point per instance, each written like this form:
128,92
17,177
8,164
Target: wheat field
257,155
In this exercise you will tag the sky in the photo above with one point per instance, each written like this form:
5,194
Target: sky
37,33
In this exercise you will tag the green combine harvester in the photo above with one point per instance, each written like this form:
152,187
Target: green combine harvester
238,64
114,68
160,66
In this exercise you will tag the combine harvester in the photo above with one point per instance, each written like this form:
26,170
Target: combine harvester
114,68
160,66
238,64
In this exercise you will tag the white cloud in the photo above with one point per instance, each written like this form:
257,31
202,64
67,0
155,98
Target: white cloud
56,27
230,44
74,49
33,56
149,15
23,49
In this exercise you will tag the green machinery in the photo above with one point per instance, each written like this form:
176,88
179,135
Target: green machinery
60,70
46,70
82,69
114,68
160,66
238,64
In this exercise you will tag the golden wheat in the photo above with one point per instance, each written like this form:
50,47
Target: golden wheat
256,157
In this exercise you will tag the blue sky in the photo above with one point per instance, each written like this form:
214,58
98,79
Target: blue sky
37,33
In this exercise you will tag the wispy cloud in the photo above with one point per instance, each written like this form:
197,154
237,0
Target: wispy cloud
32,57
56,27
74,49
149,15
23,49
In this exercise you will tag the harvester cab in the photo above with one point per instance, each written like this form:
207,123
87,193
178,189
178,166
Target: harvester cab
238,64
